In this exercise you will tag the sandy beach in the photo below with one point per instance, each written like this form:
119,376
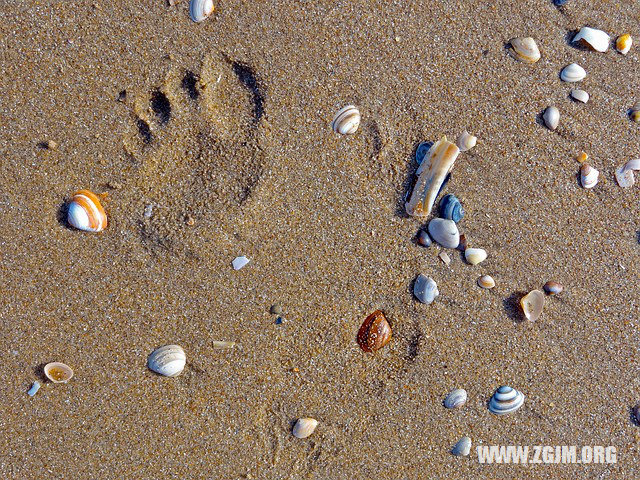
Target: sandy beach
220,132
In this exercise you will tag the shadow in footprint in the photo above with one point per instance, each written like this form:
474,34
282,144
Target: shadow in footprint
161,106
638,236
247,76
145,131
189,82
633,417
511,306
414,345
38,371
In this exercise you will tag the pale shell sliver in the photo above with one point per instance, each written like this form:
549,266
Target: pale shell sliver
200,9
168,360
596,39
525,49
346,121
505,400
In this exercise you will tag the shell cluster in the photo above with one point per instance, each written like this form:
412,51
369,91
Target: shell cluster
346,121
532,304
451,208
85,212
374,333
524,49
58,372
168,360
444,232
572,73
425,289
593,38
199,10
588,176
304,427
456,398
551,117
505,400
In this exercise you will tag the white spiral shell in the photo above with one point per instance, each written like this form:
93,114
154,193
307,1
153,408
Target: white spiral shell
505,400
200,9
168,360
346,121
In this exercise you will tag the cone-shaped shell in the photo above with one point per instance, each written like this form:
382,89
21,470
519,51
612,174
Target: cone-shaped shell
623,43
505,400
346,121
304,427
168,360
593,38
462,448
572,73
86,213
524,49
551,117
532,304
58,372
374,333
200,9
451,208
456,398
588,176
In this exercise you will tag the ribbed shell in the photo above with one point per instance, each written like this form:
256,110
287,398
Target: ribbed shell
86,213
572,73
200,9
456,398
525,49
346,121
462,448
168,360
505,400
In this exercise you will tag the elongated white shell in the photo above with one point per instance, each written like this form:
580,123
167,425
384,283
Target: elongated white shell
623,43
431,173
462,448
475,255
456,398
505,400
86,213
304,427
168,360
466,141
588,176
551,117
573,73
200,9
525,49
346,121
624,174
580,95
58,372
596,39
425,289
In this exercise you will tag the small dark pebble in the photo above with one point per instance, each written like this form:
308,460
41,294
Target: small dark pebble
279,321
559,3
424,239
276,309
462,246
552,287
122,96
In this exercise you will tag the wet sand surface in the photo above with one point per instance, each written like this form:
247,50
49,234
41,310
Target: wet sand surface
227,123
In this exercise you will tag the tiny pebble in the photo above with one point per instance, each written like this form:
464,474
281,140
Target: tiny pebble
275,309
424,239
189,220
462,246
34,389
279,321
239,262
148,211
51,145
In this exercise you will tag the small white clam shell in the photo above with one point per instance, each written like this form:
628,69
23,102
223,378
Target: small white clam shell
444,232
168,360
462,448
200,9
572,73
58,372
475,255
624,174
594,38
505,400
579,95
86,213
456,398
466,141
551,117
486,281
588,176
346,121
304,427
525,49
623,43
532,304
425,289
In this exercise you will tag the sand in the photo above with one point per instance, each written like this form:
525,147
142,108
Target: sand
224,126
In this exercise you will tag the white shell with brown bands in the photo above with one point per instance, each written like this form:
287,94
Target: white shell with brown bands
524,49
486,281
572,73
86,213
588,176
346,121
58,372
200,9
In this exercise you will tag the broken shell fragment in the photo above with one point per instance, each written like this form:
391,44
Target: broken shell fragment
451,208
623,43
239,262
58,372
505,400
524,49
304,427
593,38
466,141
588,176
425,289
532,304
624,174
200,9
86,213
462,448
475,255
34,388
446,259
221,345
579,95
485,281
444,232
374,333
431,174
168,360
456,398
346,121
553,288
635,112
572,73
551,117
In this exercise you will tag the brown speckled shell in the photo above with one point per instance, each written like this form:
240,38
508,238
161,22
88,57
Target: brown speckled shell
374,333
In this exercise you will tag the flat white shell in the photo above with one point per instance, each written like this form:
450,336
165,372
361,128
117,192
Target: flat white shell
425,289
505,400
572,73
456,398
551,117
444,232
239,262
58,372
588,176
475,255
304,427
168,360
200,9
580,95
462,448
624,174
346,121
596,39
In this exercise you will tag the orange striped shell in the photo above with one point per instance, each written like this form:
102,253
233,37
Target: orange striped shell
86,212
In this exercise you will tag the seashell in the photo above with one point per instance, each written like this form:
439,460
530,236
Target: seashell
532,304
58,372
304,427
624,174
462,448
446,259
200,9
451,208
462,246
34,389
551,117
425,289
444,232
475,255
456,398
86,213
422,150
623,43
239,262
374,333
559,3
553,288
524,49
588,176
220,345
505,400
431,174
485,281
168,360
591,37
424,239
572,73
635,112
579,95
466,141
346,121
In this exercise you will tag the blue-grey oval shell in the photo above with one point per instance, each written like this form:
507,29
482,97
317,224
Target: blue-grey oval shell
422,150
451,208
559,3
